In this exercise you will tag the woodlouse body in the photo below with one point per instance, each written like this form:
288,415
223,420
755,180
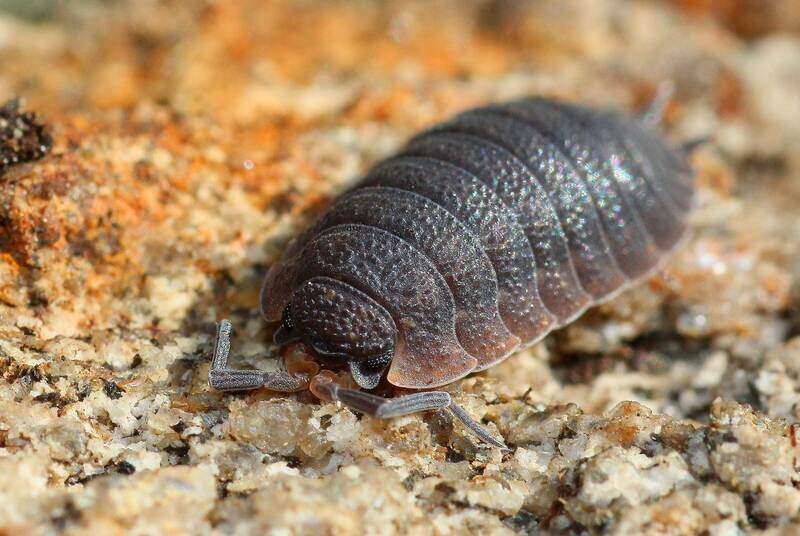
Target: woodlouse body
483,235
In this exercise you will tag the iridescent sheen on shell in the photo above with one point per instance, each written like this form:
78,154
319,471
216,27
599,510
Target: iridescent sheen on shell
490,230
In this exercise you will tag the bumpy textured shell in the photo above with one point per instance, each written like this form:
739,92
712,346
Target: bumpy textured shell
492,229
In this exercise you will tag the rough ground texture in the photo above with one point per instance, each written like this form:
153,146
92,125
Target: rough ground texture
192,138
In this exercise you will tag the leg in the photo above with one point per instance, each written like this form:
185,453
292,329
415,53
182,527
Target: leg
689,146
655,112
222,378
384,408
474,427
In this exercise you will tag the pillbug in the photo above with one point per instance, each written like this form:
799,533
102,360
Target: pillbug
481,236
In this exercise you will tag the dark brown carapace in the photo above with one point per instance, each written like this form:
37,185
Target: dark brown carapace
483,235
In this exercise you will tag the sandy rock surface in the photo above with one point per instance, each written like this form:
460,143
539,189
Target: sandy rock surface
191,139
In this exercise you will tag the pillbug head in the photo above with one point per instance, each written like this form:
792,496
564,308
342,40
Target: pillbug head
342,326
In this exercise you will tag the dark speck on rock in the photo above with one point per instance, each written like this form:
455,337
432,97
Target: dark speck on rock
22,138
112,390
125,468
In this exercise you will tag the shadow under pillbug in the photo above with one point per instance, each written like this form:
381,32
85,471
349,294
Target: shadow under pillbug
485,233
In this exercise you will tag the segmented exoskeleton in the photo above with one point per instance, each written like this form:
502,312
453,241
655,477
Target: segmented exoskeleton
485,233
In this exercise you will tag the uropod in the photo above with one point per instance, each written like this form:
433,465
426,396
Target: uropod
484,234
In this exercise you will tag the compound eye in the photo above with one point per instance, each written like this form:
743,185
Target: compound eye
286,332
286,318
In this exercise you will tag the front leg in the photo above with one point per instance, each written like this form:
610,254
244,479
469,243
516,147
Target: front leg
385,408
222,378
